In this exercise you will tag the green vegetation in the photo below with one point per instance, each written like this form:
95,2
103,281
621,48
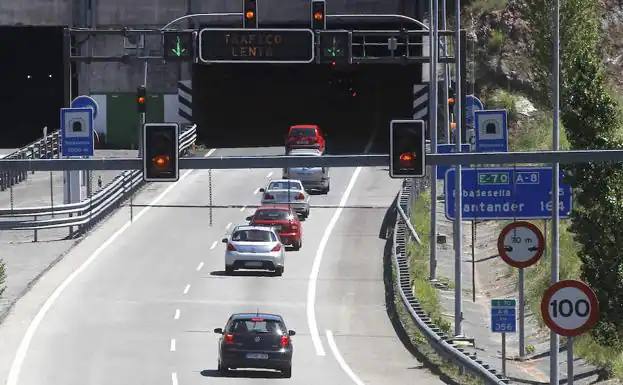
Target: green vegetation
478,7
496,40
592,119
419,257
2,277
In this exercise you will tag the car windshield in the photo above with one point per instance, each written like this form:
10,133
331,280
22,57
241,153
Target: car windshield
253,236
266,215
303,132
256,325
284,185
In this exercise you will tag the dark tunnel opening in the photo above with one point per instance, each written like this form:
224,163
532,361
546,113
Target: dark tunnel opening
246,105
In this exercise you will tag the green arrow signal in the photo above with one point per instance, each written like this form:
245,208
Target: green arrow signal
178,50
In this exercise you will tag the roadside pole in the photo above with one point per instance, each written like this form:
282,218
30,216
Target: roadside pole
554,339
522,335
504,354
474,261
446,74
458,233
432,119
569,360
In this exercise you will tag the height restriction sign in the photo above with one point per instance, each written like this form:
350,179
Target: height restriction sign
569,308
521,244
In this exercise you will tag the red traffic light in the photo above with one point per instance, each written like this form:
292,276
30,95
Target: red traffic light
249,14
140,100
318,15
160,161
407,160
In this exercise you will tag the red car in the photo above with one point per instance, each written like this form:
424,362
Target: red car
284,219
306,136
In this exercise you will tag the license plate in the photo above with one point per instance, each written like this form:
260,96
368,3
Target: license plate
257,356
253,264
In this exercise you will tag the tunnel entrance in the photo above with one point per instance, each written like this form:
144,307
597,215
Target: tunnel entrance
244,105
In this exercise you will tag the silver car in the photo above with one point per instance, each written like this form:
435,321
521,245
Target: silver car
313,178
254,247
288,192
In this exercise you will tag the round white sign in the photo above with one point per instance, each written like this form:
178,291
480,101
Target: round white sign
569,308
521,244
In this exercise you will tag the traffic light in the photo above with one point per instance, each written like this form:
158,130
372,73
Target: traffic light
141,99
318,16
335,47
407,149
160,152
249,19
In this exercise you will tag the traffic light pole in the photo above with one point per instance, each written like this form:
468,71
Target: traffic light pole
142,115
433,103
458,231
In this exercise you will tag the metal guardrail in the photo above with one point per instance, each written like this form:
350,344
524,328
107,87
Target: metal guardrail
44,148
85,212
437,339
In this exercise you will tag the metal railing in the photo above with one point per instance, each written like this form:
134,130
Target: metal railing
44,148
437,339
84,213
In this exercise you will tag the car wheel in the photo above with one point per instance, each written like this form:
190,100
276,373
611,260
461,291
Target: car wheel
223,370
306,214
296,246
287,372
229,270
279,271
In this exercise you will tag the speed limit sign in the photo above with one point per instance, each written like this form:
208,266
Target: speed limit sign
521,244
569,308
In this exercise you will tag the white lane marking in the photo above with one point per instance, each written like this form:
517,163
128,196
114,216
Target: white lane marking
269,174
172,344
213,245
200,266
313,275
177,314
20,355
243,208
340,359
174,378
228,226
257,190
186,289
209,153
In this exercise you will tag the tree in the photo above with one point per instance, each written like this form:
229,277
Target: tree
591,118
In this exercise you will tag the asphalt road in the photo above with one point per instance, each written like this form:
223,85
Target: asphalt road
136,303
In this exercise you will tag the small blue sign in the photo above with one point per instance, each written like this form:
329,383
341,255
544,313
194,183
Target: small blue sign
503,315
491,131
506,193
447,149
473,104
84,101
77,131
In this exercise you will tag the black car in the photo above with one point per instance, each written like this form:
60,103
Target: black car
255,340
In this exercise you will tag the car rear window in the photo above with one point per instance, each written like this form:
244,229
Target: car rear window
267,215
303,132
284,186
253,236
256,325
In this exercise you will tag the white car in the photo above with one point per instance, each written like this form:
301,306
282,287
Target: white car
312,178
254,247
289,192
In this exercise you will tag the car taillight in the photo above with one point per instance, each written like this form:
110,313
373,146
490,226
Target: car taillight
285,341
229,338
230,247
268,196
277,248
299,196
294,226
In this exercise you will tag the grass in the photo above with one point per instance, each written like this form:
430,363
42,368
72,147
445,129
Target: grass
425,292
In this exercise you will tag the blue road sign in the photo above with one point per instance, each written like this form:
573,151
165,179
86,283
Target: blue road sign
85,101
503,315
506,193
77,131
491,131
473,104
447,149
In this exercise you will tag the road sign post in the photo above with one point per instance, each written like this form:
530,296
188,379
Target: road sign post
506,193
569,308
520,245
503,320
